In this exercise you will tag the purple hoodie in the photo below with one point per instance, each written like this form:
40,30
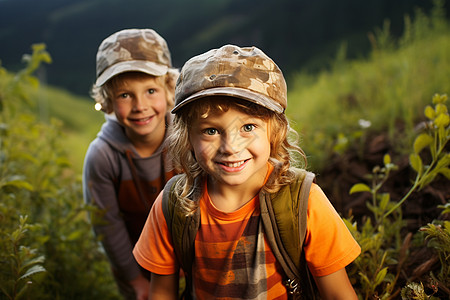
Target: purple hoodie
124,186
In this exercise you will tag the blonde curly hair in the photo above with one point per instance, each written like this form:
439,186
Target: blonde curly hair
102,94
284,147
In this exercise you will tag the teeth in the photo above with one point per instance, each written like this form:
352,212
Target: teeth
142,120
234,165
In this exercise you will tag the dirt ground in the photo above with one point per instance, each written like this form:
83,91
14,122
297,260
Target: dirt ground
420,208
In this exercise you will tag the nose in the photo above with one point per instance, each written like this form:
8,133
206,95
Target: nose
139,104
231,143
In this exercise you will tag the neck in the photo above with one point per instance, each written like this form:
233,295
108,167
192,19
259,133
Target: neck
231,198
147,145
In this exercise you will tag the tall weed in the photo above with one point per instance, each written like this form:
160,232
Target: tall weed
47,250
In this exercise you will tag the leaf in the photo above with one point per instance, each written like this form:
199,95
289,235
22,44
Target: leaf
33,270
416,163
380,276
75,235
441,109
439,98
34,261
360,187
442,121
365,278
445,172
384,201
21,184
429,112
33,81
422,141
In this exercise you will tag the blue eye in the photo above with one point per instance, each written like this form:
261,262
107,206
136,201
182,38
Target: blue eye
210,131
248,127
151,91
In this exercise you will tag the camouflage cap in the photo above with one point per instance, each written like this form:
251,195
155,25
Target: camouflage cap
141,50
245,73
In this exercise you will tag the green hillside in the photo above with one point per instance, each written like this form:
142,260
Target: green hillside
80,120
386,92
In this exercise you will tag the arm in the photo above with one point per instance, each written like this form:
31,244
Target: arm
141,287
164,287
99,191
329,248
336,286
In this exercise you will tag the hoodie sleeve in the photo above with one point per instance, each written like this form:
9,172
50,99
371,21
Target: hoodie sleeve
99,172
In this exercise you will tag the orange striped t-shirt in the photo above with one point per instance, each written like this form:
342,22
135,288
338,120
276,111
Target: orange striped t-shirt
233,259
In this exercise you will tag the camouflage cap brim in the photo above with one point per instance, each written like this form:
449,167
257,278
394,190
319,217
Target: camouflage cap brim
141,50
240,93
246,73
147,67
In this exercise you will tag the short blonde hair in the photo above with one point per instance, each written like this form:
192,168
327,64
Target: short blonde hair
283,149
102,94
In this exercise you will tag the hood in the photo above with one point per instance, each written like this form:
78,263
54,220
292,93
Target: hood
114,134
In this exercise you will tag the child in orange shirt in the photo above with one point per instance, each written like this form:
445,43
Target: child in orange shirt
230,138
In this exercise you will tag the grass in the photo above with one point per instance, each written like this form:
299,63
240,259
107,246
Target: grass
79,120
390,87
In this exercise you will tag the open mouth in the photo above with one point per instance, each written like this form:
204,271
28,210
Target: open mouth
234,164
141,120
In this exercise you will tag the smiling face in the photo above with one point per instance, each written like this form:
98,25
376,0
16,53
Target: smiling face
140,105
232,147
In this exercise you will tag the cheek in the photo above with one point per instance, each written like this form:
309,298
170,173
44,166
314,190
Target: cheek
204,151
121,111
160,105
262,146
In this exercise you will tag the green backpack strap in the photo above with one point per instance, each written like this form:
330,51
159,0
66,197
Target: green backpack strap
183,230
166,206
284,218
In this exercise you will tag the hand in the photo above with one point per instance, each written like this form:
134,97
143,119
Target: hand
141,287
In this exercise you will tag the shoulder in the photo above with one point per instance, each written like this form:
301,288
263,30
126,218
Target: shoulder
318,200
100,157
98,150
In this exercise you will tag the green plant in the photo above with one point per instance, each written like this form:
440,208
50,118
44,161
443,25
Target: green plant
415,291
384,250
380,240
437,237
15,89
36,180
435,137
21,263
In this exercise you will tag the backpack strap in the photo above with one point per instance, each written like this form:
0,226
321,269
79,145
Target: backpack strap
183,230
286,238
168,213
303,204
